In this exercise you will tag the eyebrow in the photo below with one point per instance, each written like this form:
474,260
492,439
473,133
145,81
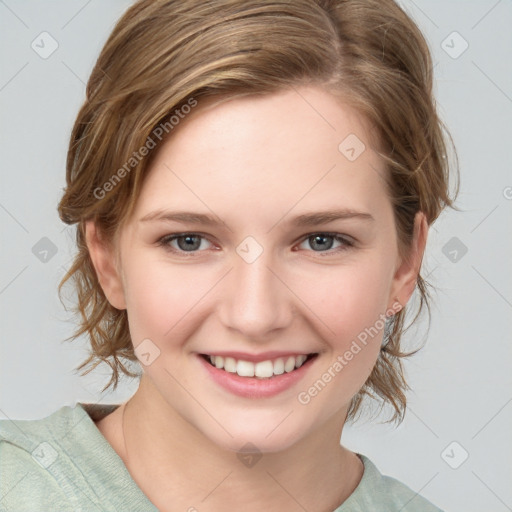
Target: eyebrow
306,219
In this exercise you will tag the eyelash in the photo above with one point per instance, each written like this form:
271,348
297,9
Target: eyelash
166,240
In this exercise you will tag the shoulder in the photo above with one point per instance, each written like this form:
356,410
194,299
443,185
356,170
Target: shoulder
384,493
62,462
28,450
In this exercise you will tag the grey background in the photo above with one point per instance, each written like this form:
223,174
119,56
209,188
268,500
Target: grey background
461,380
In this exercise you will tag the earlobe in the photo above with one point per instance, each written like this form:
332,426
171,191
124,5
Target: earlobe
103,259
405,279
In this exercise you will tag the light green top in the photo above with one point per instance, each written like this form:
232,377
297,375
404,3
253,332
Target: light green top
63,463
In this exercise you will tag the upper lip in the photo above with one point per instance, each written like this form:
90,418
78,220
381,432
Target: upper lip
256,358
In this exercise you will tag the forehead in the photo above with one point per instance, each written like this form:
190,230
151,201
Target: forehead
267,153
303,112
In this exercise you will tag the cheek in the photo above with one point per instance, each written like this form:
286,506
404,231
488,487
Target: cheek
161,299
346,299
349,303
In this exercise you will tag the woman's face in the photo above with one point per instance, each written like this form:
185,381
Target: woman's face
287,247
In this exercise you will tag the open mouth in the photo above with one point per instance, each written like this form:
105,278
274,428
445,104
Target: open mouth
263,369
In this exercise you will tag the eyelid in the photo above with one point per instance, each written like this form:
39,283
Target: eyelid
166,240
346,241
334,234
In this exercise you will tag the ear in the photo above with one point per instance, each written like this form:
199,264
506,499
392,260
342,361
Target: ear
406,275
104,261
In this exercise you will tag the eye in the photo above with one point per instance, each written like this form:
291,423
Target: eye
323,242
194,242
184,242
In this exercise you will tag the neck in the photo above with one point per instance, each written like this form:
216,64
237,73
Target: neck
178,468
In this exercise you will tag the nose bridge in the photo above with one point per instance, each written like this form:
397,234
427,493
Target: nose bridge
257,302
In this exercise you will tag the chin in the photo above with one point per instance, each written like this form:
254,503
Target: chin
266,438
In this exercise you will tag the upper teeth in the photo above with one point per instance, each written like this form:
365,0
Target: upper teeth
262,369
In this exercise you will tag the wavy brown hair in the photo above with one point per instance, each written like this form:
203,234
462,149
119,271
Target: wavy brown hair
163,53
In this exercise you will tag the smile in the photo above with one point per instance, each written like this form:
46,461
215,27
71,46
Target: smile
261,369
267,375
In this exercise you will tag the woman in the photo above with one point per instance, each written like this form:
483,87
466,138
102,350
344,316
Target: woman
253,184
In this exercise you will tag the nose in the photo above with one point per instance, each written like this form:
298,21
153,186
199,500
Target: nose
256,301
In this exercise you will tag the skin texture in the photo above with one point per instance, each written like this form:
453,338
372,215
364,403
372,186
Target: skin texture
255,164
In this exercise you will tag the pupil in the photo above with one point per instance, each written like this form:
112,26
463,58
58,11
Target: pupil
189,242
322,242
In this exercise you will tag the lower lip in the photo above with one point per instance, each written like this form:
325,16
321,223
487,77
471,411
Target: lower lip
254,387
